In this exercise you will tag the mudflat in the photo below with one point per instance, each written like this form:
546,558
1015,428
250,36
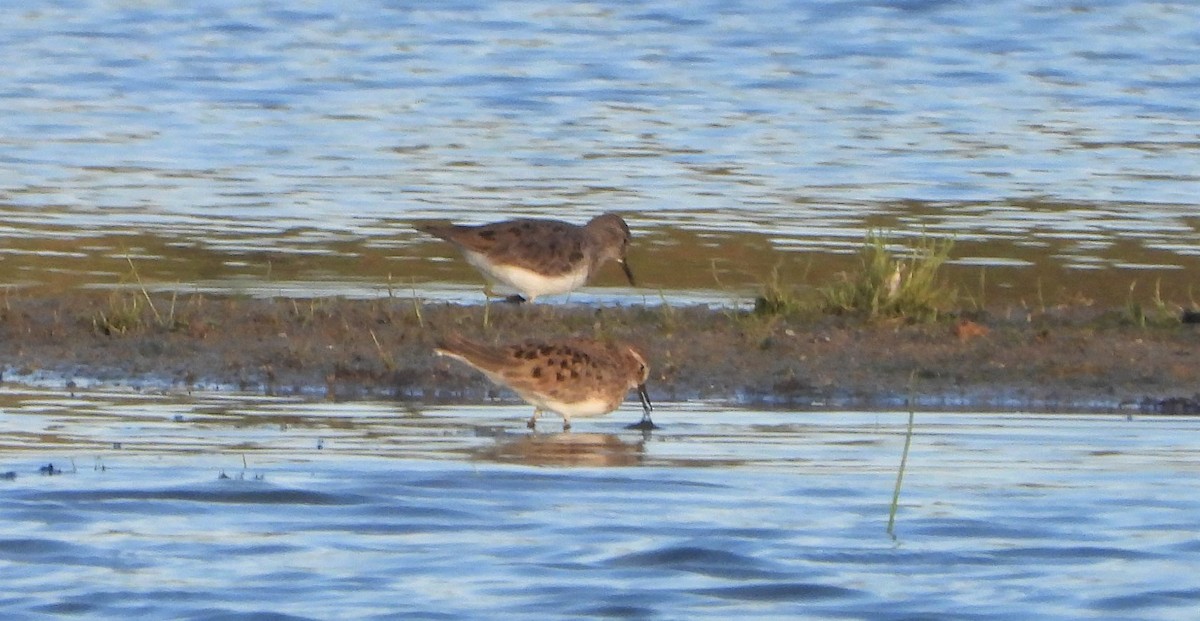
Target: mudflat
1061,359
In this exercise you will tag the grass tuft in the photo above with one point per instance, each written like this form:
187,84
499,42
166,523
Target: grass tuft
777,298
1156,314
123,314
126,309
888,285
668,317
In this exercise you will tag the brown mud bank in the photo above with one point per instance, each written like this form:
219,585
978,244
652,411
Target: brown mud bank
1061,359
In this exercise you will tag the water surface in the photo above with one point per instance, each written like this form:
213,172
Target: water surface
228,505
287,148
283,148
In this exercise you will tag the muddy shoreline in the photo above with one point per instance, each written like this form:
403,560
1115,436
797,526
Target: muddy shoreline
1062,359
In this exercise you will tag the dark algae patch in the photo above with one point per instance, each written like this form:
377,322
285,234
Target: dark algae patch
1065,358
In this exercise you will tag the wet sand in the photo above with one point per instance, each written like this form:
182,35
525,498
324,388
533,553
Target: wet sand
1061,359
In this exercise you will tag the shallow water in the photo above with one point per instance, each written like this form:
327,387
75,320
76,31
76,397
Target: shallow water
286,149
224,506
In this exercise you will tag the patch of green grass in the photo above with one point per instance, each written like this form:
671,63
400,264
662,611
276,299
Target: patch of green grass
890,285
127,309
124,314
778,298
668,317
1156,314
776,302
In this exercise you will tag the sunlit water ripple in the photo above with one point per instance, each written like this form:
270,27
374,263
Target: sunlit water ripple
226,506
230,145
285,149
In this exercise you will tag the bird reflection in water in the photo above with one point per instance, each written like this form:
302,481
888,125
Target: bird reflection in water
598,450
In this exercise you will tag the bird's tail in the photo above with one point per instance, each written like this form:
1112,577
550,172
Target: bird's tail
479,355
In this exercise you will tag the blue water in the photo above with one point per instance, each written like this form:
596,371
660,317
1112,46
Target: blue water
224,506
317,131
296,127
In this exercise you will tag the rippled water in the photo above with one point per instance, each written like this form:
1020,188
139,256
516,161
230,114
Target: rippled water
285,148
225,506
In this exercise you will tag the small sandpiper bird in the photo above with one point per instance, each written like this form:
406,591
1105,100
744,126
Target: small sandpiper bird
539,257
573,378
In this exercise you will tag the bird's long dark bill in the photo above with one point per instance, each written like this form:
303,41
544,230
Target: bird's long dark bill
647,407
646,425
628,273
